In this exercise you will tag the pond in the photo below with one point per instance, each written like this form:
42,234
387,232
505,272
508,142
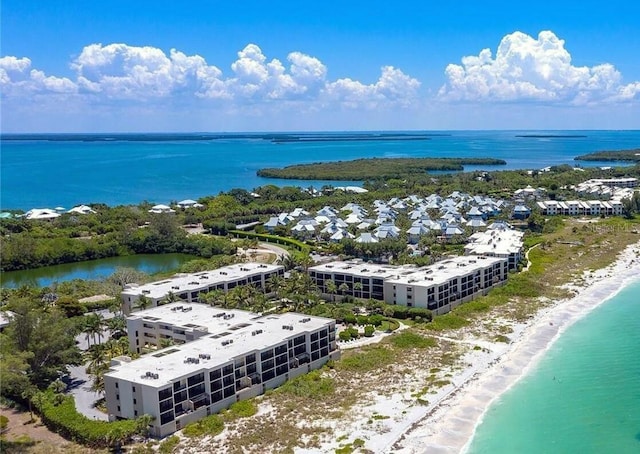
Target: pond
93,269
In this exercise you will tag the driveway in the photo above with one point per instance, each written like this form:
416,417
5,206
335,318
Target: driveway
79,386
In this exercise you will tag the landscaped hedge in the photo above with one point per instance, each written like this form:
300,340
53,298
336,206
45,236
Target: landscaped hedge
65,420
271,239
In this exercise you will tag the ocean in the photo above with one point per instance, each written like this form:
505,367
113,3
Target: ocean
584,394
127,169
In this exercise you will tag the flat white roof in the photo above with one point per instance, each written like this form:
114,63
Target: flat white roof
446,270
194,281
362,269
170,363
495,242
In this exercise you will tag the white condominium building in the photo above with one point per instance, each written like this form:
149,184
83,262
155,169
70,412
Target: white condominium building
236,355
581,208
369,276
188,287
447,284
439,287
503,243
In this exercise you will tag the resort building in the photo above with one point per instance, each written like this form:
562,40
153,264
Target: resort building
439,287
369,276
581,208
498,241
447,284
188,287
236,355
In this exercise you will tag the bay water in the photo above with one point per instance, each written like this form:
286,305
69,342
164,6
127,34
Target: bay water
131,168
93,269
584,394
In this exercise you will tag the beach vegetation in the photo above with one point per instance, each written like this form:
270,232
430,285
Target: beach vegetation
169,445
210,425
314,385
366,359
411,339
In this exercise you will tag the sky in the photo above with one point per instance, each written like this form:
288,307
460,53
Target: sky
169,66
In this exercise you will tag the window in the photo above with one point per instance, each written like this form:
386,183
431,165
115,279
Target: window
227,370
216,396
214,375
216,385
198,378
118,407
132,388
196,390
117,396
250,358
164,394
228,392
135,401
227,380
166,417
166,406
116,385
181,396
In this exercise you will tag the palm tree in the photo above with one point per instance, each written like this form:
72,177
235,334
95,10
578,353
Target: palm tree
143,424
275,283
357,287
93,325
117,325
97,358
215,297
143,302
331,288
170,298
344,287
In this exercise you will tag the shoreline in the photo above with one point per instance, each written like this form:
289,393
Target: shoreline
449,424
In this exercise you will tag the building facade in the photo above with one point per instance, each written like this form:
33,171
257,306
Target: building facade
188,287
447,284
439,287
236,355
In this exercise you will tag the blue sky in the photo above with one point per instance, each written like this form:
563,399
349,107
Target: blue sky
243,66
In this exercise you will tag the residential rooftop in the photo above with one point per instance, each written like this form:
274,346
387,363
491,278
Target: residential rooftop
231,333
194,281
446,270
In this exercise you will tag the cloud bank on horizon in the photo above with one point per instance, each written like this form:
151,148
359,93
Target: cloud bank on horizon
524,70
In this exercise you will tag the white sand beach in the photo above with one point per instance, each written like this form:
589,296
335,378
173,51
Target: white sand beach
450,422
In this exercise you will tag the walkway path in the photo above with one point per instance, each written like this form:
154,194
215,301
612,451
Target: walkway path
526,255
79,386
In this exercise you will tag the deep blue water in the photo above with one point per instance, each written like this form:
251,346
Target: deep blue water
38,173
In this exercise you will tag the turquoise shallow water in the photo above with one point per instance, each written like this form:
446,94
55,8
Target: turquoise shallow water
40,173
584,394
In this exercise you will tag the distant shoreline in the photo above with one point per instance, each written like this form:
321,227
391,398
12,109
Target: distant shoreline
552,136
270,137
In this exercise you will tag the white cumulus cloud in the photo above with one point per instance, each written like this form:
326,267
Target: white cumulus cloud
529,69
393,86
118,72
17,79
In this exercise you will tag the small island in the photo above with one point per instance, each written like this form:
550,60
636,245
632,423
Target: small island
373,168
619,155
551,136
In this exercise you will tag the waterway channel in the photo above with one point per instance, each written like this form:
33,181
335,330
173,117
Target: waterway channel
93,269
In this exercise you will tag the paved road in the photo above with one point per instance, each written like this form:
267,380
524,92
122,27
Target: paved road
79,386
279,251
